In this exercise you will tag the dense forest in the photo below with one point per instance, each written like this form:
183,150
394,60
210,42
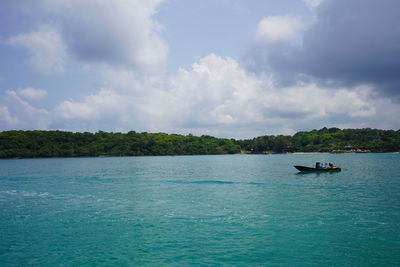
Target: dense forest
327,140
28,144
68,144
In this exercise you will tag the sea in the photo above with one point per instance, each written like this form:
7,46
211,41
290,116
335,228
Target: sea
222,210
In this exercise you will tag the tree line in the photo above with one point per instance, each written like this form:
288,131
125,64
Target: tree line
327,140
31,144
68,144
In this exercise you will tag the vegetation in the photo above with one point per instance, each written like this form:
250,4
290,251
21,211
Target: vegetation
68,144
327,140
29,144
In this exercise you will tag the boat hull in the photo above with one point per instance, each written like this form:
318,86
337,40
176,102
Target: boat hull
309,169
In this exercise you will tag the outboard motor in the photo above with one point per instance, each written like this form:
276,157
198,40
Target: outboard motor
318,165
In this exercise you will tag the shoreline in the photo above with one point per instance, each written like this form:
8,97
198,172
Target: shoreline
128,156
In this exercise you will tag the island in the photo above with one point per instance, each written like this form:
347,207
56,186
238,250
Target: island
45,144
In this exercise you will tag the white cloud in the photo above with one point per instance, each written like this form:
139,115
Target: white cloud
93,106
45,46
218,96
32,93
118,46
313,3
313,102
16,113
350,43
113,32
278,29
118,33
6,118
355,102
106,110
219,92
214,92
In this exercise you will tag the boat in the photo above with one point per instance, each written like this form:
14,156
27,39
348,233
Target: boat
310,169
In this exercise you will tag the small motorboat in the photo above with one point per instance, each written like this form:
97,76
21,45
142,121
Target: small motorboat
310,169
319,168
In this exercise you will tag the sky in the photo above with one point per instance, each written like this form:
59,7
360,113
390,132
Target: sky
227,68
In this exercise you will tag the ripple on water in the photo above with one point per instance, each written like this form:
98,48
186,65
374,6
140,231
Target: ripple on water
209,210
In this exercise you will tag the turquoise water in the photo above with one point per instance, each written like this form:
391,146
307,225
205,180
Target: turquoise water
240,210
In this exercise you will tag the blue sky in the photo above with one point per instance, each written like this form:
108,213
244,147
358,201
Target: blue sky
227,68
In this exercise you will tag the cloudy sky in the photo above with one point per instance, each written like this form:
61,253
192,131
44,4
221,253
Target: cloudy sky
228,68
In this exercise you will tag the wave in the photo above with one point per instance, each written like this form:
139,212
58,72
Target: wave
24,193
211,182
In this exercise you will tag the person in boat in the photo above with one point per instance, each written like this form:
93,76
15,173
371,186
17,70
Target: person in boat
319,165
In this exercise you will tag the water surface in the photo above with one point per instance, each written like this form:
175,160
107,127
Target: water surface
240,210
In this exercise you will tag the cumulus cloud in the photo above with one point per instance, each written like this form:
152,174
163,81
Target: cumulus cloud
114,32
6,118
32,93
278,29
17,113
105,110
350,43
207,88
218,96
45,46
120,32
93,106
355,42
325,75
